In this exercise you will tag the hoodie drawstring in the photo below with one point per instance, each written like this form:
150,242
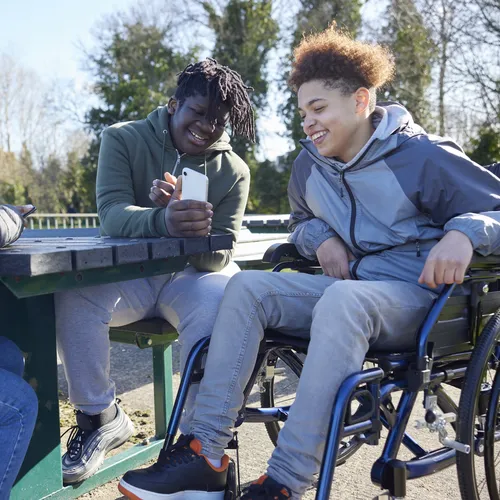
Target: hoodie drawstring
177,161
165,132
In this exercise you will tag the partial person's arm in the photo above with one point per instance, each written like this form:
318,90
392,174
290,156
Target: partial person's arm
494,168
462,196
116,204
11,225
226,220
308,232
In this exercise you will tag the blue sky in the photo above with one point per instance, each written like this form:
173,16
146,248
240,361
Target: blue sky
44,36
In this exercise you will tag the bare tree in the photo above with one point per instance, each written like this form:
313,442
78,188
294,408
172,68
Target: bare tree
447,21
484,64
11,84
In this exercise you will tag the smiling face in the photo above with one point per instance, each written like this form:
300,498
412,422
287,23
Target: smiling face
192,131
338,124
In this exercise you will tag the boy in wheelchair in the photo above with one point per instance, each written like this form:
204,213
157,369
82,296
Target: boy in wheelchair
391,214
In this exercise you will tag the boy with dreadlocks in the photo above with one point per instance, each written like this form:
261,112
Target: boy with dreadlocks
138,196
390,212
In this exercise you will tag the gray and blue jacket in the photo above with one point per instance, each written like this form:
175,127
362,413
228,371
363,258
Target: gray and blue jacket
11,225
395,200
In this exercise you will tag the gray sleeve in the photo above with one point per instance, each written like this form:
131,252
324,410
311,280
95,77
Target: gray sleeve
494,168
11,225
462,196
308,232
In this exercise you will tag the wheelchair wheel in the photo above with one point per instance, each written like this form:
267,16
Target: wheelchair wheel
478,418
231,492
279,390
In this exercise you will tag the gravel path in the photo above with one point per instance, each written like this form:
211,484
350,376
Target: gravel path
132,371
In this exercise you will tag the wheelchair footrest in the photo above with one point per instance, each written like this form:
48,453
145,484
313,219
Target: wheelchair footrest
232,445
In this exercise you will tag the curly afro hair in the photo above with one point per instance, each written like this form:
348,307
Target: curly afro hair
342,62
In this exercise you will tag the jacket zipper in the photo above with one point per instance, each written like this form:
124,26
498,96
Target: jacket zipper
351,198
177,162
354,270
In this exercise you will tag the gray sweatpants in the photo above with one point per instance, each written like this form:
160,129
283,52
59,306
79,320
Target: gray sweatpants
189,300
342,318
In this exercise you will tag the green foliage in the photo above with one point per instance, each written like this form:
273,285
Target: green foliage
271,185
245,33
135,71
485,148
411,43
76,189
14,178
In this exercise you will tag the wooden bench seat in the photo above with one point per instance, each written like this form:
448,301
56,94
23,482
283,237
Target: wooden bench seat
159,335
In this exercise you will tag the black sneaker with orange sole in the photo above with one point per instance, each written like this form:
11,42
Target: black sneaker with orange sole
266,488
181,473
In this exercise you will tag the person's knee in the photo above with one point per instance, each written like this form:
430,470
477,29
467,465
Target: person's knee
11,357
249,284
18,394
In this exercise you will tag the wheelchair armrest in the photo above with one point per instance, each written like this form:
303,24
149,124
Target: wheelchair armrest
480,263
279,251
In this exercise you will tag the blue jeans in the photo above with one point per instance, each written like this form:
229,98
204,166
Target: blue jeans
18,411
342,319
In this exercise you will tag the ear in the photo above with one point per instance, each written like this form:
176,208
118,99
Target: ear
362,98
172,105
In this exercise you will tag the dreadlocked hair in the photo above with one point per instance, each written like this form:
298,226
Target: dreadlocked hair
223,85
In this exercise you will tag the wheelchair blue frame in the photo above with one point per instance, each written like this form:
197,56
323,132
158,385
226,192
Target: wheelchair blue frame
410,374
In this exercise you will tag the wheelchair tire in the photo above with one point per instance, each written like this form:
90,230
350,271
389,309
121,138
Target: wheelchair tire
267,400
231,492
472,414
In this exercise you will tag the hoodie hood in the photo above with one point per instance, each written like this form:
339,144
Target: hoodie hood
393,126
158,121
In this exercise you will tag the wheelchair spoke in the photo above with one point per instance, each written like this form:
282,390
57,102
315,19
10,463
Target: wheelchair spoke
478,419
284,402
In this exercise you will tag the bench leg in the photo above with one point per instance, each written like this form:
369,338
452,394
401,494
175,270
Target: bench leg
163,390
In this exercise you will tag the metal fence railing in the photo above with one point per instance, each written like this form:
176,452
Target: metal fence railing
62,221
256,223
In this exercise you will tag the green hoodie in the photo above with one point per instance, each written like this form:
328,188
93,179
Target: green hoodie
134,154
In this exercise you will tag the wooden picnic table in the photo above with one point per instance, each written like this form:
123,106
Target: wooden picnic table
31,271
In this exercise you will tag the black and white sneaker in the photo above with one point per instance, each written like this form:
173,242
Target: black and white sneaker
181,473
91,439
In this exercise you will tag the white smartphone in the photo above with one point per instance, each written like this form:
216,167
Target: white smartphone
194,185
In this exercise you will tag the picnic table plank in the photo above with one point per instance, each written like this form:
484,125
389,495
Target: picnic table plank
41,256
31,271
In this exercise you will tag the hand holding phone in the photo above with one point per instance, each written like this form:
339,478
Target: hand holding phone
189,217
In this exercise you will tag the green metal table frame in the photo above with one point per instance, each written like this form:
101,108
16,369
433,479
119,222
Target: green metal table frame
27,316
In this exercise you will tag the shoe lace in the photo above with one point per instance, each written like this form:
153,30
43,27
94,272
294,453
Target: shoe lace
177,454
78,436
75,442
